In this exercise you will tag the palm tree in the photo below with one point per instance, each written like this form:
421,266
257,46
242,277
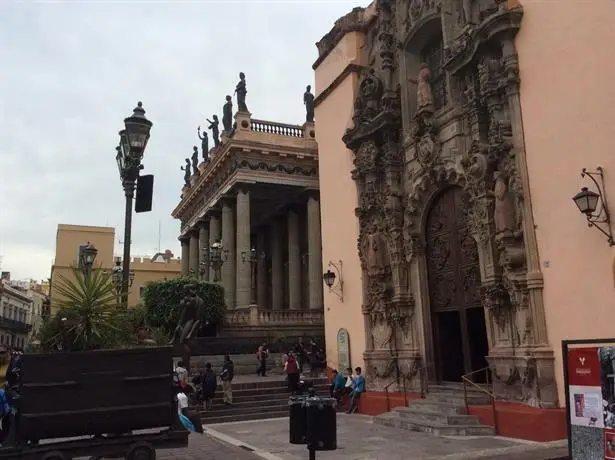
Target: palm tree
88,310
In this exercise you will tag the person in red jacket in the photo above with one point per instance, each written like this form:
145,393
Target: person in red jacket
292,371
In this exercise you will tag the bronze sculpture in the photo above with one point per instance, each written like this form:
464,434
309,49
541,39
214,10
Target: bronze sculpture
241,91
308,100
195,160
190,320
204,143
186,170
227,114
215,130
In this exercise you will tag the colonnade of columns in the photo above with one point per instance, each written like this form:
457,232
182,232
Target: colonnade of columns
287,271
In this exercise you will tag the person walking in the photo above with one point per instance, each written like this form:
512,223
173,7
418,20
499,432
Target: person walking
292,372
209,382
261,355
228,372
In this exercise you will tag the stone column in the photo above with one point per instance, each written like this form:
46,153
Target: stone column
277,265
203,246
185,242
294,261
261,271
314,254
214,237
244,269
194,253
228,243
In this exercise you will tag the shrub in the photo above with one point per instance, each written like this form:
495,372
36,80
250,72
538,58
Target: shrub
161,300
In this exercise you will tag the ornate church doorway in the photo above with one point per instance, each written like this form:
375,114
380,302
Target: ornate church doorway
457,316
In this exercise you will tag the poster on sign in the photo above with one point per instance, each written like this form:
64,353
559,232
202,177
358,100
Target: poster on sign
590,398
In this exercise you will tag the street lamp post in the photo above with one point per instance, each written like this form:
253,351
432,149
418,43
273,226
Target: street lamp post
133,140
214,256
87,255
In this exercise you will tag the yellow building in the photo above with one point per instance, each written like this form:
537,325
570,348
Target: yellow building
69,238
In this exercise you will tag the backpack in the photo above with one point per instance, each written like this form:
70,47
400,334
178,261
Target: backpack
5,407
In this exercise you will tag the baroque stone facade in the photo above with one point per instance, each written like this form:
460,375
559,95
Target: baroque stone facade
451,278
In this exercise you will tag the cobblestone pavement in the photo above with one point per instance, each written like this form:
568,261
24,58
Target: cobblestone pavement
205,447
358,438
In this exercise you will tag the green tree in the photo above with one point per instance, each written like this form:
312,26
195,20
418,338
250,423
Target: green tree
161,300
88,317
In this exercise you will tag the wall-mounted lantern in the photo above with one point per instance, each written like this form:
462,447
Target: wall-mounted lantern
329,278
594,205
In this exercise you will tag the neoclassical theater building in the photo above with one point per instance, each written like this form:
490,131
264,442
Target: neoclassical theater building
256,200
455,134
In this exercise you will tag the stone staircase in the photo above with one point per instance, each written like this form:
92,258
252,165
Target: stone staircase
254,401
442,413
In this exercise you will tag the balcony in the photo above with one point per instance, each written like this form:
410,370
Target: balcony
17,327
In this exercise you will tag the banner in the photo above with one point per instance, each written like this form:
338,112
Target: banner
590,392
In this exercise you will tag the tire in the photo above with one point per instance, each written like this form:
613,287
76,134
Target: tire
55,455
141,452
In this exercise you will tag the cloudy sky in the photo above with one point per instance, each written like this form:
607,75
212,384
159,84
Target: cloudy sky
71,71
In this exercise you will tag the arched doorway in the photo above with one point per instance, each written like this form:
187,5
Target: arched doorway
453,270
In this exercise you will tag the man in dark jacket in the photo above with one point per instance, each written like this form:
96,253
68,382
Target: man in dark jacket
209,382
228,371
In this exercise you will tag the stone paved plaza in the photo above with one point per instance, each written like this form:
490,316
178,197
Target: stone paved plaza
360,439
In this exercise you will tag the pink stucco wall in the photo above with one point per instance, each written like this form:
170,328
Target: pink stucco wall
567,62
338,199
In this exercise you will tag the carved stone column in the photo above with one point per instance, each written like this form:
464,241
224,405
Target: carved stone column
314,254
294,261
214,237
194,253
228,242
261,271
203,244
244,272
185,242
277,265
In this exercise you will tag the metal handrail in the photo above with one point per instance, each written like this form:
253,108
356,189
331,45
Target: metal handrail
386,390
424,380
492,397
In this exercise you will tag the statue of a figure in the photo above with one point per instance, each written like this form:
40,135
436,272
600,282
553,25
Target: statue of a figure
215,130
189,321
308,100
504,211
375,253
186,170
195,160
241,92
204,143
424,95
227,114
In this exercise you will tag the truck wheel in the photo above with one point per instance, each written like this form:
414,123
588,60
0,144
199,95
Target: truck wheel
141,452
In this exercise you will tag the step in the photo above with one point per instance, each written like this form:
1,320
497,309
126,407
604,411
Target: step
234,409
239,397
280,389
436,417
244,417
427,405
438,429
459,400
457,388
256,385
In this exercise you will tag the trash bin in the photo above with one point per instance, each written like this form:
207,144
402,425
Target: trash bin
321,423
297,420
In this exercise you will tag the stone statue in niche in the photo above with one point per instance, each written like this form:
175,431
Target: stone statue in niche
375,253
215,130
424,94
186,170
227,114
308,100
204,143
241,91
504,211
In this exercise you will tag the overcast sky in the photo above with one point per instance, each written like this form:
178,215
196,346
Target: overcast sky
71,71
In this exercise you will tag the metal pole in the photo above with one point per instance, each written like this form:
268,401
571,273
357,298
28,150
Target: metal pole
312,454
129,192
